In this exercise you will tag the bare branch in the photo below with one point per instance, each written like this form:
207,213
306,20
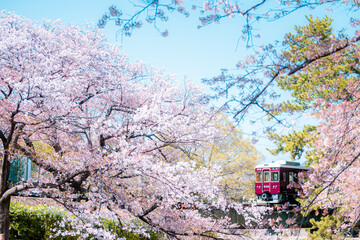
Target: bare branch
293,70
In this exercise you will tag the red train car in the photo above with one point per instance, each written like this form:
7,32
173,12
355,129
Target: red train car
272,181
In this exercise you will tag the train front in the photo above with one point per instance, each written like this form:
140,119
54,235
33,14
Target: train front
267,184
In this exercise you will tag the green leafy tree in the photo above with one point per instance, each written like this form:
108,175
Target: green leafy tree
325,79
294,142
327,89
236,155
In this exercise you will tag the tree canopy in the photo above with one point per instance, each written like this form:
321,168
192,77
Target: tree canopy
117,129
104,132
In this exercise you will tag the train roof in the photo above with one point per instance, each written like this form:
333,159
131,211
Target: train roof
284,164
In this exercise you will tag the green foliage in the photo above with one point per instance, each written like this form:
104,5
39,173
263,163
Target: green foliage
115,229
312,82
327,79
327,228
29,223
36,223
316,34
294,143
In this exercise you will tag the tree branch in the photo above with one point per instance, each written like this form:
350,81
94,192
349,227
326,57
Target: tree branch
26,186
293,70
152,208
2,137
332,181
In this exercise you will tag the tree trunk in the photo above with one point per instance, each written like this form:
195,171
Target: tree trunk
4,220
5,204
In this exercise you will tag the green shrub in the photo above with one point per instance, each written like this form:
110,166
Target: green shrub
30,223
328,227
36,223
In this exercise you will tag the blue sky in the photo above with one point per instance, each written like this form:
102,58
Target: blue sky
187,51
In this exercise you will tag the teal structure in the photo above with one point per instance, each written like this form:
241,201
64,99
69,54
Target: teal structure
21,169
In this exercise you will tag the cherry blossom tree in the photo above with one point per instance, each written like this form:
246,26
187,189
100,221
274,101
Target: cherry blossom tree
318,67
103,131
333,183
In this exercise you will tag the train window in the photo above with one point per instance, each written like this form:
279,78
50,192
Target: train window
284,177
291,176
266,177
258,177
274,176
